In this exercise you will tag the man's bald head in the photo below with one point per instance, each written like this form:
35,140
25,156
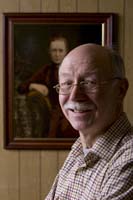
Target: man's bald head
89,52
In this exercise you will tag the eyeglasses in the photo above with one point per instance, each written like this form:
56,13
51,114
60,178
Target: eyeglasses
85,86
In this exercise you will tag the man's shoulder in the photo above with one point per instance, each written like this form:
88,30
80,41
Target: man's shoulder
124,154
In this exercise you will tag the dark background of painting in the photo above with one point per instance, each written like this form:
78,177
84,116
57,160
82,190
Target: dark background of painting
31,43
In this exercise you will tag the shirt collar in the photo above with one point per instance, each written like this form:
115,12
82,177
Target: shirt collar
106,144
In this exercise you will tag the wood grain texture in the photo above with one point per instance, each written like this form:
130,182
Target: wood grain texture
61,158
50,6
30,5
67,5
29,175
9,175
49,170
9,6
87,5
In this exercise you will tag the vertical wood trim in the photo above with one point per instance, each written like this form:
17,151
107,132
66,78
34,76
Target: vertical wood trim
19,5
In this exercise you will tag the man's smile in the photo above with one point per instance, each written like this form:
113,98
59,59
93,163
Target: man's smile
80,111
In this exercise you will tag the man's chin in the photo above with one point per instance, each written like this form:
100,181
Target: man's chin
81,126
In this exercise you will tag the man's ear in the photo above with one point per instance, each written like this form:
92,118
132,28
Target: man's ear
123,87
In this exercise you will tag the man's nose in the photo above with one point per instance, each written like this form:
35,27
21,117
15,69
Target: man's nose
76,93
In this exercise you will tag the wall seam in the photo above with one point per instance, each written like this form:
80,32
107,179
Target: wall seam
40,173
76,5
19,162
98,6
19,5
57,161
123,46
40,5
59,7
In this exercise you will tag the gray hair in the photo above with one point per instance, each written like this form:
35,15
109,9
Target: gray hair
118,65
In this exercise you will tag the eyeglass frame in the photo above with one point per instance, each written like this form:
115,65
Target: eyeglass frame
58,86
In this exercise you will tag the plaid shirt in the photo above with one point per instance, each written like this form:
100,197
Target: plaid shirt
105,173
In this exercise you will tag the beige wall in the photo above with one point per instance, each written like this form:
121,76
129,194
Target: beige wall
27,175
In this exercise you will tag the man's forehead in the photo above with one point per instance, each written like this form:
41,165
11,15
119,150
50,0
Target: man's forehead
81,56
77,66
85,67
74,61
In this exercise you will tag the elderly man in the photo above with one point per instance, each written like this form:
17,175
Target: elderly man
92,87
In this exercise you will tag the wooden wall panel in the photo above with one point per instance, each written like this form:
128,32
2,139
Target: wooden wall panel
9,175
61,157
67,5
9,6
129,55
30,175
115,7
50,6
87,6
30,5
49,170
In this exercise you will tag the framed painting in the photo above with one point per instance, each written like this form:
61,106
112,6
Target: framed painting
32,115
